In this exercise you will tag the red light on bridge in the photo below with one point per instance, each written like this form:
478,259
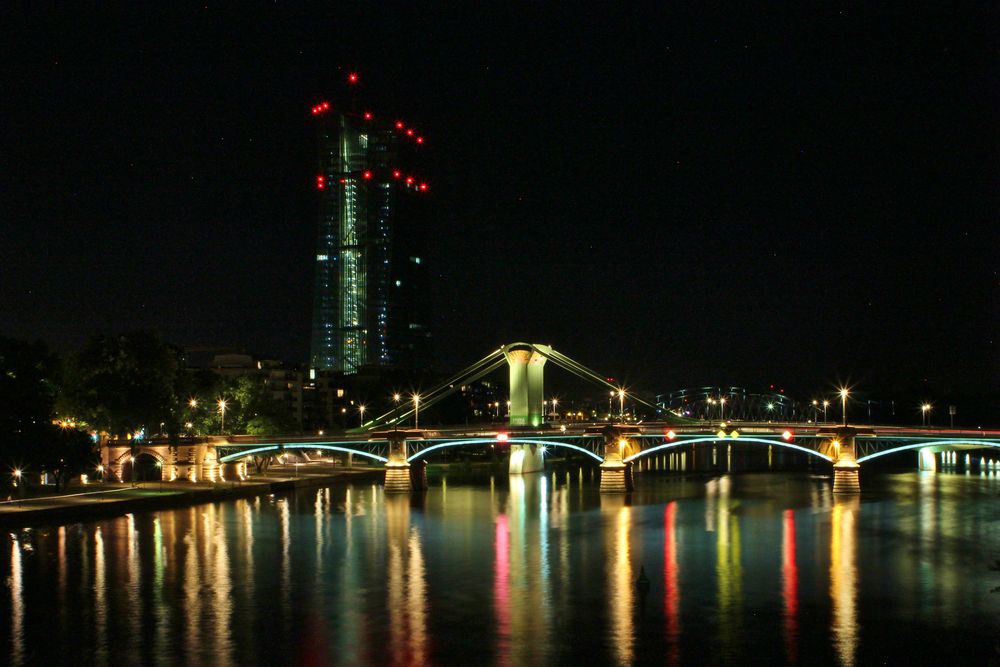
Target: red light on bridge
352,77
671,435
501,437
788,436
368,115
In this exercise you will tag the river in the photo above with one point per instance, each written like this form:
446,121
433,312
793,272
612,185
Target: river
537,569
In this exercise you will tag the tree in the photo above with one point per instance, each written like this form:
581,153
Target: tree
124,384
29,438
250,408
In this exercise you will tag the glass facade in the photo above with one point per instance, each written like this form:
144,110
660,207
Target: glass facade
366,310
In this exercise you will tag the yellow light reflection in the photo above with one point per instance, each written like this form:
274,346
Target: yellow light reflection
16,583
843,579
620,587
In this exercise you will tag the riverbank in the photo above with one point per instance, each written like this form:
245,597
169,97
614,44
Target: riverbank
118,499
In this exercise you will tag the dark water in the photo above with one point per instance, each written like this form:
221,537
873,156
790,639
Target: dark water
538,570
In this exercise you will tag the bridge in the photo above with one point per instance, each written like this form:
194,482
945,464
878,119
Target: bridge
617,448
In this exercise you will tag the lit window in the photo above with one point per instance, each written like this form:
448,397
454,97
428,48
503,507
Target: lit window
415,260
399,283
322,258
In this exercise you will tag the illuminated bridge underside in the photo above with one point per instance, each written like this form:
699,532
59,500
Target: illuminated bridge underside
673,444
874,448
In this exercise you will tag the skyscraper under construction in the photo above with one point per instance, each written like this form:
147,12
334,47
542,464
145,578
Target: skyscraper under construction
369,286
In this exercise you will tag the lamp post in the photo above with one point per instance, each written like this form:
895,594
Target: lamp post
621,404
395,411
555,414
610,397
924,410
361,411
826,404
222,411
722,408
416,411
843,404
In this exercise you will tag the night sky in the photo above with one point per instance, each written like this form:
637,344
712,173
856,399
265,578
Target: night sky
676,197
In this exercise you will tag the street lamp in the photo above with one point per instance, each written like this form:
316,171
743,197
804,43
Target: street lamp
610,397
416,411
826,404
621,404
193,403
843,403
361,410
222,410
924,409
722,408
555,401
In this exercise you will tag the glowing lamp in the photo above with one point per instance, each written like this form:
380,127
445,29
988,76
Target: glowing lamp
368,115
397,174
409,132
352,77
399,125
367,175
671,435
721,433
788,435
420,140
734,434
501,437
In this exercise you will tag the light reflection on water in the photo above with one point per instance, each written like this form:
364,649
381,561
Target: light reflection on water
539,569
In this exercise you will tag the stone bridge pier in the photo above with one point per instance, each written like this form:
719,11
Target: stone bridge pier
397,468
620,442
840,447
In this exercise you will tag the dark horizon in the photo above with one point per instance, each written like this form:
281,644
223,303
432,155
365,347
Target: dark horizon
676,199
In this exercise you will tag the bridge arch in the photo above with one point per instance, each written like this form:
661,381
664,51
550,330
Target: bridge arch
236,456
693,441
511,441
962,443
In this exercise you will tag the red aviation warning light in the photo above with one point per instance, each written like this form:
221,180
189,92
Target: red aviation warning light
409,180
397,174
368,115
321,182
399,125
320,108
367,175
423,187
420,140
352,77
409,132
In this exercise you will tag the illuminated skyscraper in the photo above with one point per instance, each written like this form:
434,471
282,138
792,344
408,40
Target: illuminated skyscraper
369,268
